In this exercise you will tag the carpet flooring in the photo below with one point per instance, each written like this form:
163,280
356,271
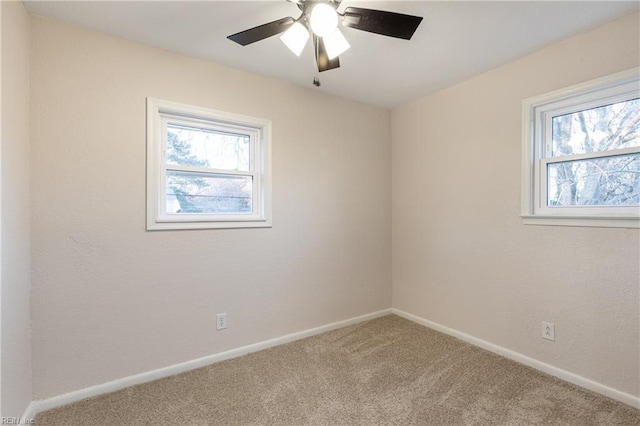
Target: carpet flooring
387,371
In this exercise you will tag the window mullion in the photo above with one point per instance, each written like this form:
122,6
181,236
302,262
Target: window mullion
208,171
590,155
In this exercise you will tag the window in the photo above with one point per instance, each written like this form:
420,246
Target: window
581,154
206,169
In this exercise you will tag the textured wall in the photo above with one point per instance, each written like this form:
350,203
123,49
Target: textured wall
111,300
16,334
461,255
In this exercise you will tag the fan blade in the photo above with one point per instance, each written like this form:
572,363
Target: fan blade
389,24
261,32
322,59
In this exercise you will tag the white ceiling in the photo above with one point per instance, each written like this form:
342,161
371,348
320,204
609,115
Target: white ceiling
455,41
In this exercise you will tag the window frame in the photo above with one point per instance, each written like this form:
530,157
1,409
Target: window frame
161,113
538,112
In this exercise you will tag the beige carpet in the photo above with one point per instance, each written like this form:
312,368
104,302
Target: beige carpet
384,371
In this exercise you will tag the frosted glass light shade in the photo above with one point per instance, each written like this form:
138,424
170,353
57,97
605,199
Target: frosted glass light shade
295,38
323,20
336,44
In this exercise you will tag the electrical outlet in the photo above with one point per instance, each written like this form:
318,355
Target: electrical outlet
221,321
548,331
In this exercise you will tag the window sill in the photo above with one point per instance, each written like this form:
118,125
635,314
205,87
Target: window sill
597,222
166,226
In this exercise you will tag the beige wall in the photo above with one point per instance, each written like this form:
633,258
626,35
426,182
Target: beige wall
111,300
14,145
461,255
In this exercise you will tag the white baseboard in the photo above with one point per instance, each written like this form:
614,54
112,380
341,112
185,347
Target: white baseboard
149,376
29,413
567,376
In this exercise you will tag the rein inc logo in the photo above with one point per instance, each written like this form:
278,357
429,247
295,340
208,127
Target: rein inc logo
17,421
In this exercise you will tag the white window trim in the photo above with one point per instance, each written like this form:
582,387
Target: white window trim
157,218
533,210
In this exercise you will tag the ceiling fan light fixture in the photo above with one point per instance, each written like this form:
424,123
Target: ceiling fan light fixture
295,38
323,19
336,44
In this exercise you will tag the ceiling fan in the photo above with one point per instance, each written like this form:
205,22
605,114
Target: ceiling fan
321,19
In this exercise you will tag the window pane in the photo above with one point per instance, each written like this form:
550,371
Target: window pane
609,181
598,129
212,194
189,146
